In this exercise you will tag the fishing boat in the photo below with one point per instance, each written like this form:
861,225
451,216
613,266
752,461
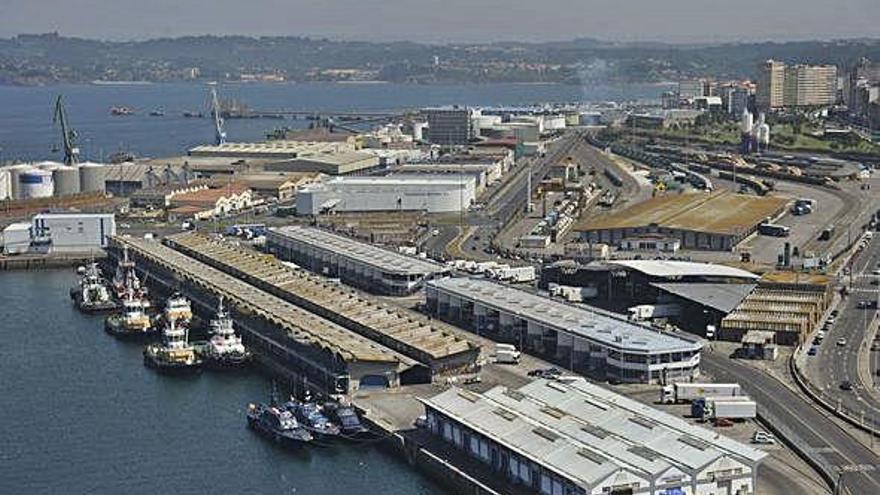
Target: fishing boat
224,349
277,423
174,355
91,294
125,280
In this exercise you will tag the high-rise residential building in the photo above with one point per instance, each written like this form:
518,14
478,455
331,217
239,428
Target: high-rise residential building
741,99
860,85
790,86
810,85
771,81
450,125
693,88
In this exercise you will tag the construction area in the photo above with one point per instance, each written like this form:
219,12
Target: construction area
703,221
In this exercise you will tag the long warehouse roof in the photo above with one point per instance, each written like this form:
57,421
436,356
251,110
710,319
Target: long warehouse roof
588,433
383,259
301,325
405,330
596,325
669,268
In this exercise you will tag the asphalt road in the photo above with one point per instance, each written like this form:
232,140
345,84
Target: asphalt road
835,363
810,425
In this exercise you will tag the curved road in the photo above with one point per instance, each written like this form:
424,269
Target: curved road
818,432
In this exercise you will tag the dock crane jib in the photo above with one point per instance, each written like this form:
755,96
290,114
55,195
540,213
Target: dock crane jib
219,133
68,135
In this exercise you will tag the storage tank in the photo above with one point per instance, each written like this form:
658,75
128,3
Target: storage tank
746,122
66,179
92,177
5,184
14,172
48,165
35,183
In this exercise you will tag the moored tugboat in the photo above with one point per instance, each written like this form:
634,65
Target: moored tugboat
174,355
91,295
178,309
133,321
125,279
313,420
277,423
224,349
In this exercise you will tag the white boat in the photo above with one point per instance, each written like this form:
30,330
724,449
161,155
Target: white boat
174,354
91,293
224,349
178,309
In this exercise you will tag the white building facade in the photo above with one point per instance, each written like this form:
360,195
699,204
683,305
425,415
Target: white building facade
400,193
72,232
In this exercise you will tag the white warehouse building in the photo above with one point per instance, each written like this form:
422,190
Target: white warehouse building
395,193
555,438
594,342
72,232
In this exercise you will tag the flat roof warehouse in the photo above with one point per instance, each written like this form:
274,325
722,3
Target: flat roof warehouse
596,325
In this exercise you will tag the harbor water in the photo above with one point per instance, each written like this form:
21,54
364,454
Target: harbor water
82,414
27,132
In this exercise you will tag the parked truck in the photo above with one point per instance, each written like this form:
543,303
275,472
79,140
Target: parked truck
688,392
734,408
506,354
651,311
516,274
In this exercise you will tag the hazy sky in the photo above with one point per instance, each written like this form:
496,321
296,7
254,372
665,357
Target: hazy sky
450,20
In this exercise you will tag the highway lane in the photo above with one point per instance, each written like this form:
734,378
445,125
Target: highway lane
814,429
835,363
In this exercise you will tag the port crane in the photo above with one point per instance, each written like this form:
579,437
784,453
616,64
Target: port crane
68,135
219,133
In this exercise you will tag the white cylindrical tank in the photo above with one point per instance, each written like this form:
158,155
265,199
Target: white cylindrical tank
5,184
419,130
35,183
747,121
14,172
92,176
764,134
48,165
66,179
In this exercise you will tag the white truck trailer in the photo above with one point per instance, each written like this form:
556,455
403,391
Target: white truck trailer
739,408
516,274
650,311
687,392
506,354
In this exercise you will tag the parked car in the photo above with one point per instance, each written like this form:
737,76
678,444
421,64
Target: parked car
846,385
762,437
813,351
841,342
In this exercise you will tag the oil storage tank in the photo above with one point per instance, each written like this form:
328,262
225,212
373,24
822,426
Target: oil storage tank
14,172
92,177
66,179
35,183
5,184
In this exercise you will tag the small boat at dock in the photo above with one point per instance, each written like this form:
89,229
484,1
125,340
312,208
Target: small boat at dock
277,424
224,349
91,294
133,321
174,355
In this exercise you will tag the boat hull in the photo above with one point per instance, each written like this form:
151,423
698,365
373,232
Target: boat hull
290,441
119,331
172,368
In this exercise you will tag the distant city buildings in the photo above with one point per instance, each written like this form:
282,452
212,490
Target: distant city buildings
791,86
861,92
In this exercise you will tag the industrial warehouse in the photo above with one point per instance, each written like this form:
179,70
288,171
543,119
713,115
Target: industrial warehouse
434,194
408,333
594,342
327,354
356,263
576,438
716,221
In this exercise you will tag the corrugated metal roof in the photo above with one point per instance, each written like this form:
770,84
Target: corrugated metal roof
723,297
667,268
595,325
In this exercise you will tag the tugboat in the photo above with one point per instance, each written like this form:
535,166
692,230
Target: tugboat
313,420
224,349
133,322
277,423
125,279
175,355
344,416
178,309
90,295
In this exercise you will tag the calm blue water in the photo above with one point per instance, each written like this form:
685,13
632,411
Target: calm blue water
81,414
27,133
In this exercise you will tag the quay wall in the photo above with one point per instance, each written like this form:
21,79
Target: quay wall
46,262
